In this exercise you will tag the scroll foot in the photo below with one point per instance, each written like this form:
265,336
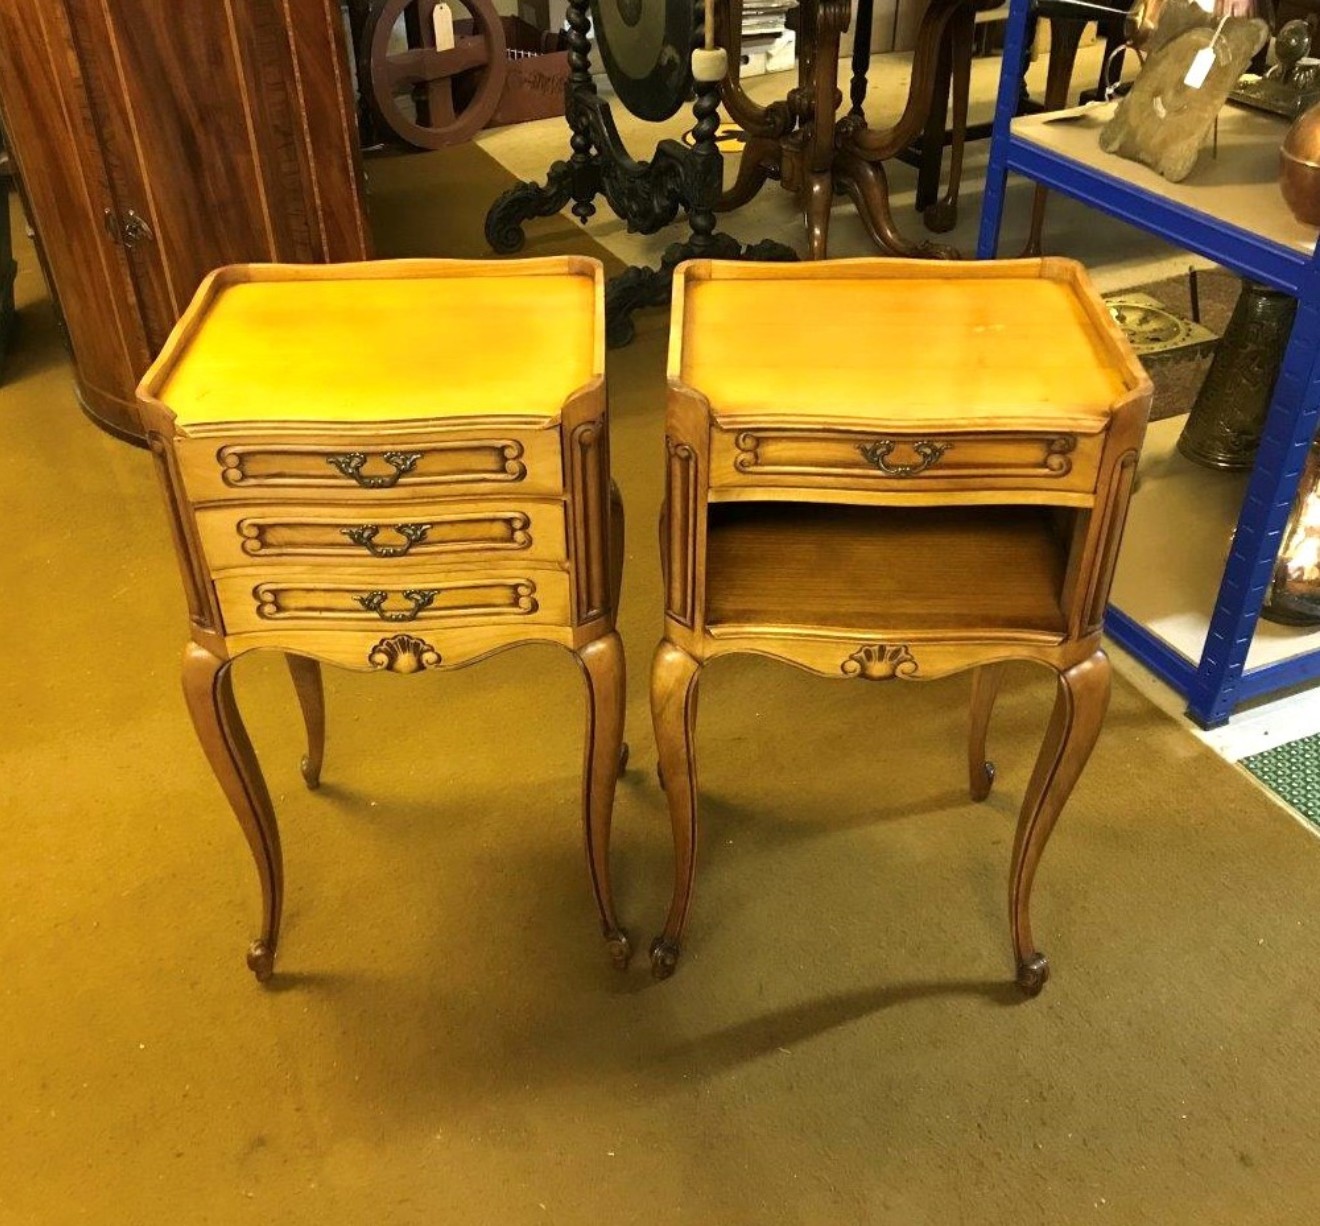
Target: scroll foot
664,958
1032,974
981,787
261,960
616,941
524,201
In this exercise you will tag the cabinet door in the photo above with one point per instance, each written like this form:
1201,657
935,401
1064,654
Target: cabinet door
54,147
229,137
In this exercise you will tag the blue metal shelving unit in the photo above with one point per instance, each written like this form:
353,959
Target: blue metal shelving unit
1218,682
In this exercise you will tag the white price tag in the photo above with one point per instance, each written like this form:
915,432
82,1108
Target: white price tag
1199,68
443,19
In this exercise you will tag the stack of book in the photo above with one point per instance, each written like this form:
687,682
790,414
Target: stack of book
767,43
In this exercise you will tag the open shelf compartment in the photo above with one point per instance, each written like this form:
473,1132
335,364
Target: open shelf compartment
867,570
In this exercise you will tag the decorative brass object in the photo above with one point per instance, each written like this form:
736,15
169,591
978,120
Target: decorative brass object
404,653
878,453
880,662
1299,168
1293,597
419,598
1291,86
351,464
1224,427
1154,330
365,535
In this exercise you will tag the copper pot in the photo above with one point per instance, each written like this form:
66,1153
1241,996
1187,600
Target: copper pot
1299,167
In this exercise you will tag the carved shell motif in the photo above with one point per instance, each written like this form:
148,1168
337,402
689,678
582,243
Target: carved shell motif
404,653
879,662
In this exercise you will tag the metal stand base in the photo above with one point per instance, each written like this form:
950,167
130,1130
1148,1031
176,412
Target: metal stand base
647,195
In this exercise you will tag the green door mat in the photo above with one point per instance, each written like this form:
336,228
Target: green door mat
1293,772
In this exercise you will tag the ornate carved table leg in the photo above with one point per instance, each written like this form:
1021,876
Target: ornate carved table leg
1079,710
209,690
603,665
673,704
861,57
980,770
578,179
868,186
306,675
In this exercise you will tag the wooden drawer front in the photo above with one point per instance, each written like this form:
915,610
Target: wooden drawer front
353,533
863,460
255,601
478,462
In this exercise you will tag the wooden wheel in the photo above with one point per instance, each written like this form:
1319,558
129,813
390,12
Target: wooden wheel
428,76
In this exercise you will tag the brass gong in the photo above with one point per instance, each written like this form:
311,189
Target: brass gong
646,46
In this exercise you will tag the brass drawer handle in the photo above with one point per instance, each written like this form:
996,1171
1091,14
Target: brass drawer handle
365,535
351,464
374,602
878,454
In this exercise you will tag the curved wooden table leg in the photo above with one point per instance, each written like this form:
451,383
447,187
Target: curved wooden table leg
1079,710
980,770
866,183
674,679
306,675
941,216
209,691
1065,38
818,197
603,664
754,165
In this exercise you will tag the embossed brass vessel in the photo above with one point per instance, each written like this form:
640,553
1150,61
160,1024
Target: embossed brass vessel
1299,168
1224,427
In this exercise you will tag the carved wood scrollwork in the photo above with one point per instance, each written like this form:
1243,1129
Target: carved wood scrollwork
1057,454
404,653
992,456
276,464
681,500
880,662
588,507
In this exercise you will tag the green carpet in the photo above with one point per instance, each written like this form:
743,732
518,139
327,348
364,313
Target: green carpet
445,1041
1292,771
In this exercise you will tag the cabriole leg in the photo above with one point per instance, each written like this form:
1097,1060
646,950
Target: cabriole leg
603,664
1079,710
980,770
307,684
209,691
673,709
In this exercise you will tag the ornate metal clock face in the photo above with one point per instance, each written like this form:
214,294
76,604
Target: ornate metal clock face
646,47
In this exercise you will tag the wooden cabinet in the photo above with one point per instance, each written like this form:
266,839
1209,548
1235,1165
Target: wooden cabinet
945,491
157,142
391,517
